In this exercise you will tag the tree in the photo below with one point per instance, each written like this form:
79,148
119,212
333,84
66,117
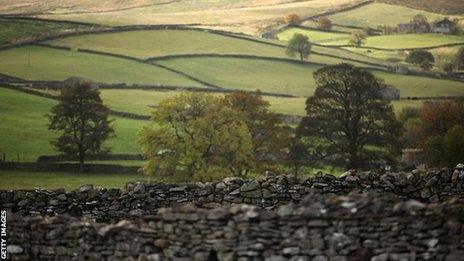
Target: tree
324,23
82,119
292,19
438,117
422,58
421,20
348,118
459,59
446,150
199,134
447,68
357,38
268,134
299,44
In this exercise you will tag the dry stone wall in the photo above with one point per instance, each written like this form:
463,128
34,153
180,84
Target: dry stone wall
359,216
140,199
321,227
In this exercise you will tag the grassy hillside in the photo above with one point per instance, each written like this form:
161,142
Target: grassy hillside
24,127
376,14
143,101
403,41
52,64
394,41
16,30
296,79
315,36
158,43
153,43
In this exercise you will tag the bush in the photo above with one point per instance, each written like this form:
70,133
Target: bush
446,150
292,19
324,23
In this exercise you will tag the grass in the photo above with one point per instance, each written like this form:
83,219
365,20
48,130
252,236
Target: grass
153,43
14,30
13,180
409,41
158,43
143,101
296,79
387,55
250,74
376,14
315,36
24,128
52,64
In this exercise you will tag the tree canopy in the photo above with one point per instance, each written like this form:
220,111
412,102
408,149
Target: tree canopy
347,120
299,45
202,134
82,119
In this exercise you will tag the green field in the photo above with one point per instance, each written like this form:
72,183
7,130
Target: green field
250,74
159,43
68,181
296,79
394,41
376,14
154,43
315,36
14,30
143,101
24,127
409,41
53,64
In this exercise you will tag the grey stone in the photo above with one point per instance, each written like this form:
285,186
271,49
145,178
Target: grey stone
14,249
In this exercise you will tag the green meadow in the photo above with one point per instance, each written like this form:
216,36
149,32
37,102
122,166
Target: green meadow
315,36
43,63
294,78
24,128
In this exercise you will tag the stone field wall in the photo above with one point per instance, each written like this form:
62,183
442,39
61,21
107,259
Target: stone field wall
360,216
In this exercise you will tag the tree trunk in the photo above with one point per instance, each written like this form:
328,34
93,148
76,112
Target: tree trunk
301,56
81,162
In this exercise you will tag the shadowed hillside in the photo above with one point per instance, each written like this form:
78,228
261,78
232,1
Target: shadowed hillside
436,6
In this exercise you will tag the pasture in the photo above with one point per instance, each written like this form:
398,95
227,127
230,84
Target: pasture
375,14
16,30
295,78
412,41
43,63
315,36
154,44
24,127
68,181
146,44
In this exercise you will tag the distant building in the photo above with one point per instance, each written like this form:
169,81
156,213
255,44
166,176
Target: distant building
444,26
413,27
400,69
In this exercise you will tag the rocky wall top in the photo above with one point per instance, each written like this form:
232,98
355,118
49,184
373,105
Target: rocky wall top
141,199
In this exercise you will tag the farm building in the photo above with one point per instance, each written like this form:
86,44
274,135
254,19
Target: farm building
444,26
413,27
